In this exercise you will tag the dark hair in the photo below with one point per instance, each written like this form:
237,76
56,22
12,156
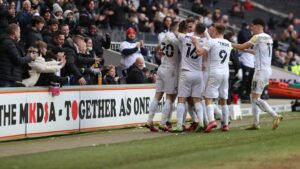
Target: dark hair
53,21
36,20
58,33
189,20
182,27
57,50
200,28
173,25
86,39
12,28
62,25
258,21
165,18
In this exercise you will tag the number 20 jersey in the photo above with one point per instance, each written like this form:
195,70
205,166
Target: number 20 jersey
218,54
169,46
189,59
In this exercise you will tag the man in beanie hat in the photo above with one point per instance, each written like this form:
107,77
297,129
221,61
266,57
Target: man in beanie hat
131,49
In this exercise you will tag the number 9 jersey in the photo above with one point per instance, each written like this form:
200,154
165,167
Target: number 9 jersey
218,51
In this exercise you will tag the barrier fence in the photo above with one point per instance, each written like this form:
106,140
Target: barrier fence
35,112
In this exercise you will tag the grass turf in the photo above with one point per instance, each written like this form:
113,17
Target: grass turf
238,148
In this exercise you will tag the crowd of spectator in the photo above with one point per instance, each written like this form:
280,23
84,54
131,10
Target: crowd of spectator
66,36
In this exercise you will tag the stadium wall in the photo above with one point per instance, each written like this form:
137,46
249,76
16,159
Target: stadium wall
34,112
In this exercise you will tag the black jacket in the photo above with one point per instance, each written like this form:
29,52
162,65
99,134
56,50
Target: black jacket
32,37
109,80
136,76
99,42
12,59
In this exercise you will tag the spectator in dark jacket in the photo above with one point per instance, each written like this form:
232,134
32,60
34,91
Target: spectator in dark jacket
58,40
87,14
149,7
4,16
118,16
24,18
136,74
12,57
74,59
34,32
99,42
50,31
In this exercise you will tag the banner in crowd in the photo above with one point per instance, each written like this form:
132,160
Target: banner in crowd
38,113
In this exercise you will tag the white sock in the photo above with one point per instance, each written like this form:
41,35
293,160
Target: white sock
205,118
225,113
171,112
180,112
210,112
152,110
264,106
191,110
255,112
217,111
165,112
199,110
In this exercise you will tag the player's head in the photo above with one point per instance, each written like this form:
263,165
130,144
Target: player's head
131,33
182,27
174,26
199,28
216,30
190,24
257,25
220,29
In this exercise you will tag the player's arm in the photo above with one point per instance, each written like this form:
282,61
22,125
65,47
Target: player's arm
243,46
199,51
206,34
249,51
159,51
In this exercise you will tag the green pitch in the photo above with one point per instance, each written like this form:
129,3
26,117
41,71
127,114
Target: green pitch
235,149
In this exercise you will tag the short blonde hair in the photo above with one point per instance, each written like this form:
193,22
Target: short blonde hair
41,44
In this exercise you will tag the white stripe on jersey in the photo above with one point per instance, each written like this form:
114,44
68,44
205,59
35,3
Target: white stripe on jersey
218,54
263,46
189,59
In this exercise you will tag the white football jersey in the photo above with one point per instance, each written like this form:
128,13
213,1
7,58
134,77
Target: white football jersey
169,46
263,46
189,59
218,54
